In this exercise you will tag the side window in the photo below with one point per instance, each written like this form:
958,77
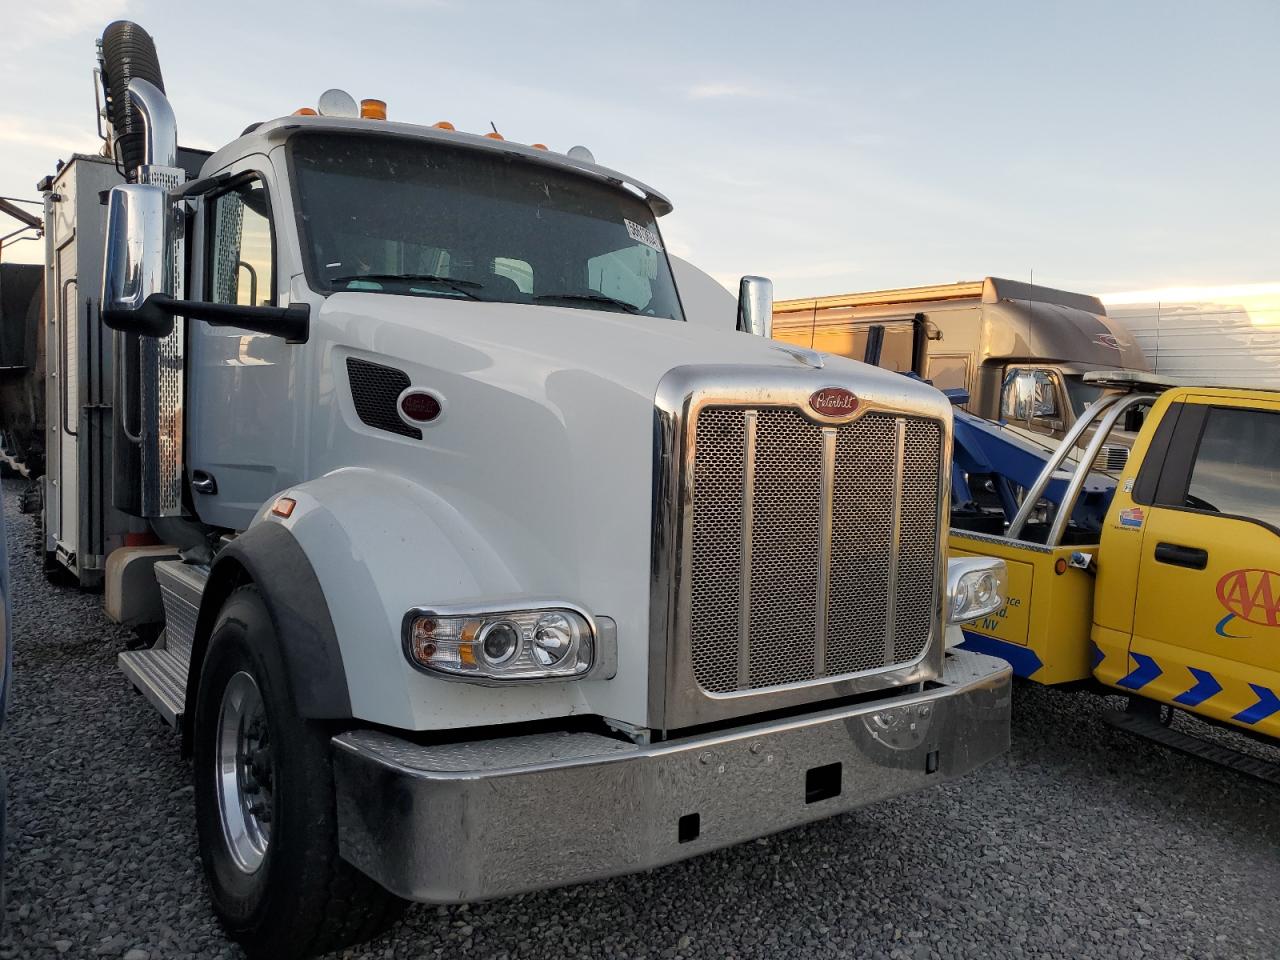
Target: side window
241,265
899,342
949,373
1237,465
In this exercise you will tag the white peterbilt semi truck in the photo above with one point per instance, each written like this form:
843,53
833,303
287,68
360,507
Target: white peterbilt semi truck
480,568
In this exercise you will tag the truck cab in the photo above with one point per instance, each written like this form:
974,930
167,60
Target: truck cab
1175,600
467,543
988,338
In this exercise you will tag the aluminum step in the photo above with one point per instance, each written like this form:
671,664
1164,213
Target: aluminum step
161,676
1153,729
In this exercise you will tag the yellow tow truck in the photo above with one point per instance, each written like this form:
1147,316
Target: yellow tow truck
1174,596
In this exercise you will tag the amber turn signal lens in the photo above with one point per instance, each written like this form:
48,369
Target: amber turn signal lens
373,109
283,507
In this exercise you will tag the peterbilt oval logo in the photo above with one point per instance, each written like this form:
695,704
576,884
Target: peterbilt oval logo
1252,595
833,402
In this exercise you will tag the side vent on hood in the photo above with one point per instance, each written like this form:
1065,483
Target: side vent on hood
375,389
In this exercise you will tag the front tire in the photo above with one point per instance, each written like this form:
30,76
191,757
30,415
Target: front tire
265,810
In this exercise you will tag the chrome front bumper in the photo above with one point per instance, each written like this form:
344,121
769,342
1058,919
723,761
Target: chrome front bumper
468,821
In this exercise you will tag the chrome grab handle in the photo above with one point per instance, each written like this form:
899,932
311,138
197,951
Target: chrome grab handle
135,439
1051,466
62,351
1065,508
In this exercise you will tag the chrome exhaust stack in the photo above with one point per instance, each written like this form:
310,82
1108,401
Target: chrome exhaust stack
145,252
160,144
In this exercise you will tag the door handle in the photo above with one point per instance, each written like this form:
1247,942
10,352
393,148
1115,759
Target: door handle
202,482
1180,556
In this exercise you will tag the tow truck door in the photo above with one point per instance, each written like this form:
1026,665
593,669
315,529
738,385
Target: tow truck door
1206,622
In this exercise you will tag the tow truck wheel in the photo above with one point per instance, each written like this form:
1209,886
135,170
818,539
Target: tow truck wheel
265,803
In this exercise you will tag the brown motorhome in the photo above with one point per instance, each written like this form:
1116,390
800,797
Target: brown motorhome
978,336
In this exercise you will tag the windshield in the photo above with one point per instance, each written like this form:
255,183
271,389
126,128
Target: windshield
402,216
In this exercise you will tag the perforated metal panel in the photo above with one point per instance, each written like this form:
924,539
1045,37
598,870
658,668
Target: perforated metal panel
813,549
161,378
375,390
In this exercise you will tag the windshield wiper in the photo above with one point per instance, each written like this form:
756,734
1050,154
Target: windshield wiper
458,286
591,298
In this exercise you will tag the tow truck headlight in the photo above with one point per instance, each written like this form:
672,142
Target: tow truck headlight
502,645
975,588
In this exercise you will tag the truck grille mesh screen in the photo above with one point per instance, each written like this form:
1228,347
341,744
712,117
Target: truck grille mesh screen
376,390
811,557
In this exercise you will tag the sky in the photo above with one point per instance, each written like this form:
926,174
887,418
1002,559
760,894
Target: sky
835,147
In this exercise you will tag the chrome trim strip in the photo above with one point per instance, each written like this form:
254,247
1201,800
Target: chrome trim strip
751,418
674,698
825,509
895,550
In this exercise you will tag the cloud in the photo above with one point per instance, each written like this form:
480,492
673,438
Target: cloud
60,139
62,19
722,90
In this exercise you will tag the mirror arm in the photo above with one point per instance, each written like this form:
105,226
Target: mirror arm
151,319
155,317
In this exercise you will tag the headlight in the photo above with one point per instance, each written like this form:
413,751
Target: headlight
506,645
975,588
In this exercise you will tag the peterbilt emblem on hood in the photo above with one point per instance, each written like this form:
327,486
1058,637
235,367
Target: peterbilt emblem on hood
833,402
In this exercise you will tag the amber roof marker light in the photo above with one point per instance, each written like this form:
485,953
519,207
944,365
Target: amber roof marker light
372,109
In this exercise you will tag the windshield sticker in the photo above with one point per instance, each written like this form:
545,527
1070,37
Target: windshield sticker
1128,484
1131,518
643,235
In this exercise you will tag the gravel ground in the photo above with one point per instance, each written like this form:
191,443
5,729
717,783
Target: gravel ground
1081,842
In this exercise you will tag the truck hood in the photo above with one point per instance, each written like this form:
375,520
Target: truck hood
539,470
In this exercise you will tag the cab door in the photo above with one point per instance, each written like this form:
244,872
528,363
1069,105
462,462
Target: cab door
244,414
1206,627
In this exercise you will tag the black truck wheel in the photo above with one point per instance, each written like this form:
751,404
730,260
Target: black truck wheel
265,811
128,52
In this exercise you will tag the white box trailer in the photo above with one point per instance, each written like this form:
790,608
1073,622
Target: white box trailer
1228,335
482,568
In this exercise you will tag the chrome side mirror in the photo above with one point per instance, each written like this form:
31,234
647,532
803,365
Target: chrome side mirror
755,306
1018,397
136,258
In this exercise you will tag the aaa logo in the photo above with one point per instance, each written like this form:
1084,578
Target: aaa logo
1252,595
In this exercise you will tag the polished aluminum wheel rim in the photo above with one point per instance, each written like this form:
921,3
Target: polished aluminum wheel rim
244,773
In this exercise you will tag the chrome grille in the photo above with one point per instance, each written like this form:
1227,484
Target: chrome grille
813,549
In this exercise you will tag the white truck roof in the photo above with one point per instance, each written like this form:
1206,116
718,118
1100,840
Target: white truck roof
261,137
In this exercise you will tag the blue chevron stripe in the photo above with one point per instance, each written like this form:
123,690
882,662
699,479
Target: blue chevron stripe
1145,671
1268,703
1024,660
1098,655
1206,686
